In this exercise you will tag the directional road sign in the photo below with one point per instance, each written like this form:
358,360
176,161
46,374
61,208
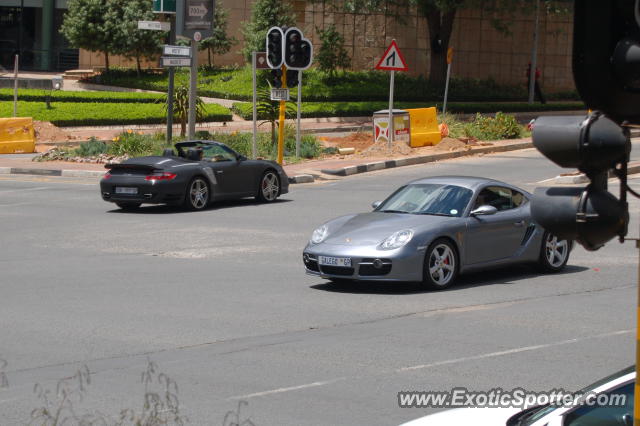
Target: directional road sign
184,51
392,60
195,16
167,61
164,6
154,25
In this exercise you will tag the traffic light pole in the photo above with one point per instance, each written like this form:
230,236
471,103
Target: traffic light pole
172,41
193,89
283,106
299,112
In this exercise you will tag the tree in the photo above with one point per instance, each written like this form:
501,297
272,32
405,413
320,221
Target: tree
219,43
440,16
131,42
265,14
332,54
86,26
181,107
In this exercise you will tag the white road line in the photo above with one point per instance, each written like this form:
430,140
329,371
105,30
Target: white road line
289,389
39,188
512,351
439,363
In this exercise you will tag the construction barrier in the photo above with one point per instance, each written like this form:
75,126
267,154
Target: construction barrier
17,135
424,127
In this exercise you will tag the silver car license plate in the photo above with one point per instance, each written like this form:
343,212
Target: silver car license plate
335,261
126,190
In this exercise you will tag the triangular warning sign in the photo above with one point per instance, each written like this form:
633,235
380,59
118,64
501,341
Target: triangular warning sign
392,60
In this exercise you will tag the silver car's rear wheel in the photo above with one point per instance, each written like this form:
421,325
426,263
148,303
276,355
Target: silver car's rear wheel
269,187
197,194
440,265
554,253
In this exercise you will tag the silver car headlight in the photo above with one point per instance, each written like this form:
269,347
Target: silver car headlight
320,234
396,240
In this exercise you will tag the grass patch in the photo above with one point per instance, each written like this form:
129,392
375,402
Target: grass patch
364,109
236,83
37,95
100,114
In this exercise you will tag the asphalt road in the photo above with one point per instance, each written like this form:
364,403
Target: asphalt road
220,302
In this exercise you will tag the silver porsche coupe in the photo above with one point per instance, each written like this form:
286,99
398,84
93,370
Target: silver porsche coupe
433,229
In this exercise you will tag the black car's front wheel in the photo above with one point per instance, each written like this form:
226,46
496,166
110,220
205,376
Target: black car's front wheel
440,265
198,194
269,188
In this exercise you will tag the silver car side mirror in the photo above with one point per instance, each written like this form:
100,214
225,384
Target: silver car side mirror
376,204
484,210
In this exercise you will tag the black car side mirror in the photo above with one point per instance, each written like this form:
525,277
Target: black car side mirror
484,210
241,157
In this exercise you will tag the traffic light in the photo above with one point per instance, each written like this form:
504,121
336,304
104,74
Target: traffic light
606,70
606,57
274,47
276,76
298,50
292,78
594,145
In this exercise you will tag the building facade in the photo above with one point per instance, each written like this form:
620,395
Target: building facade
30,28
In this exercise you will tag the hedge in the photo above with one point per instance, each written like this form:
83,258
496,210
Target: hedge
101,114
36,95
364,109
319,87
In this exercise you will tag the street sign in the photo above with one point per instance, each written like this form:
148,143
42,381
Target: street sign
195,16
167,61
392,60
261,61
176,50
164,6
279,94
154,25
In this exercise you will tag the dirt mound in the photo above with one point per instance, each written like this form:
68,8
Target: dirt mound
47,132
358,140
382,149
451,144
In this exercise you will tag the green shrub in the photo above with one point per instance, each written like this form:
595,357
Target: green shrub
131,144
97,114
37,95
502,126
91,148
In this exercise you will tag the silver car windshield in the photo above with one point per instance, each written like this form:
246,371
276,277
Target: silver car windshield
428,198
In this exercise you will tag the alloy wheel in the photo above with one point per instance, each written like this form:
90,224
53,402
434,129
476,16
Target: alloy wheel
442,264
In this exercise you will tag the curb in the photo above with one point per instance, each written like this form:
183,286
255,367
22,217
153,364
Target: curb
301,179
380,165
50,172
582,178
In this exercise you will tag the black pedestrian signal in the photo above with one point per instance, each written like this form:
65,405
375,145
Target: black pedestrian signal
298,50
292,78
275,47
276,78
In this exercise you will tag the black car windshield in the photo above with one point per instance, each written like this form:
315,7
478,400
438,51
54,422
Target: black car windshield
428,198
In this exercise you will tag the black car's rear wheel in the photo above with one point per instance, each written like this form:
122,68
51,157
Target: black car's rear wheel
440,265
128,206
269,188
198,194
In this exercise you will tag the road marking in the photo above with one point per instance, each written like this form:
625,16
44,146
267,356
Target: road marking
288,389
439,363
40,188
512,351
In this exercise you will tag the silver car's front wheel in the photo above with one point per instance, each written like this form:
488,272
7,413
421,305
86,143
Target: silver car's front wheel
197,194
441,265
554,252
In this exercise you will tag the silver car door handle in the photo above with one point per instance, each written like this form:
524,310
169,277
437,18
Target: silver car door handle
521,223
219,171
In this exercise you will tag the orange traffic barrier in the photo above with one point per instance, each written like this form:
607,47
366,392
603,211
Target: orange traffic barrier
17,135
424,127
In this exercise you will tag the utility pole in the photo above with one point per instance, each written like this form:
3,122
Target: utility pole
193,89
172,41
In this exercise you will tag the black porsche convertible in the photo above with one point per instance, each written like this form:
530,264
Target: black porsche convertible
193,175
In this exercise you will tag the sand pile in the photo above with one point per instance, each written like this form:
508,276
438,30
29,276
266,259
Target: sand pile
381,149
451,144
47,132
